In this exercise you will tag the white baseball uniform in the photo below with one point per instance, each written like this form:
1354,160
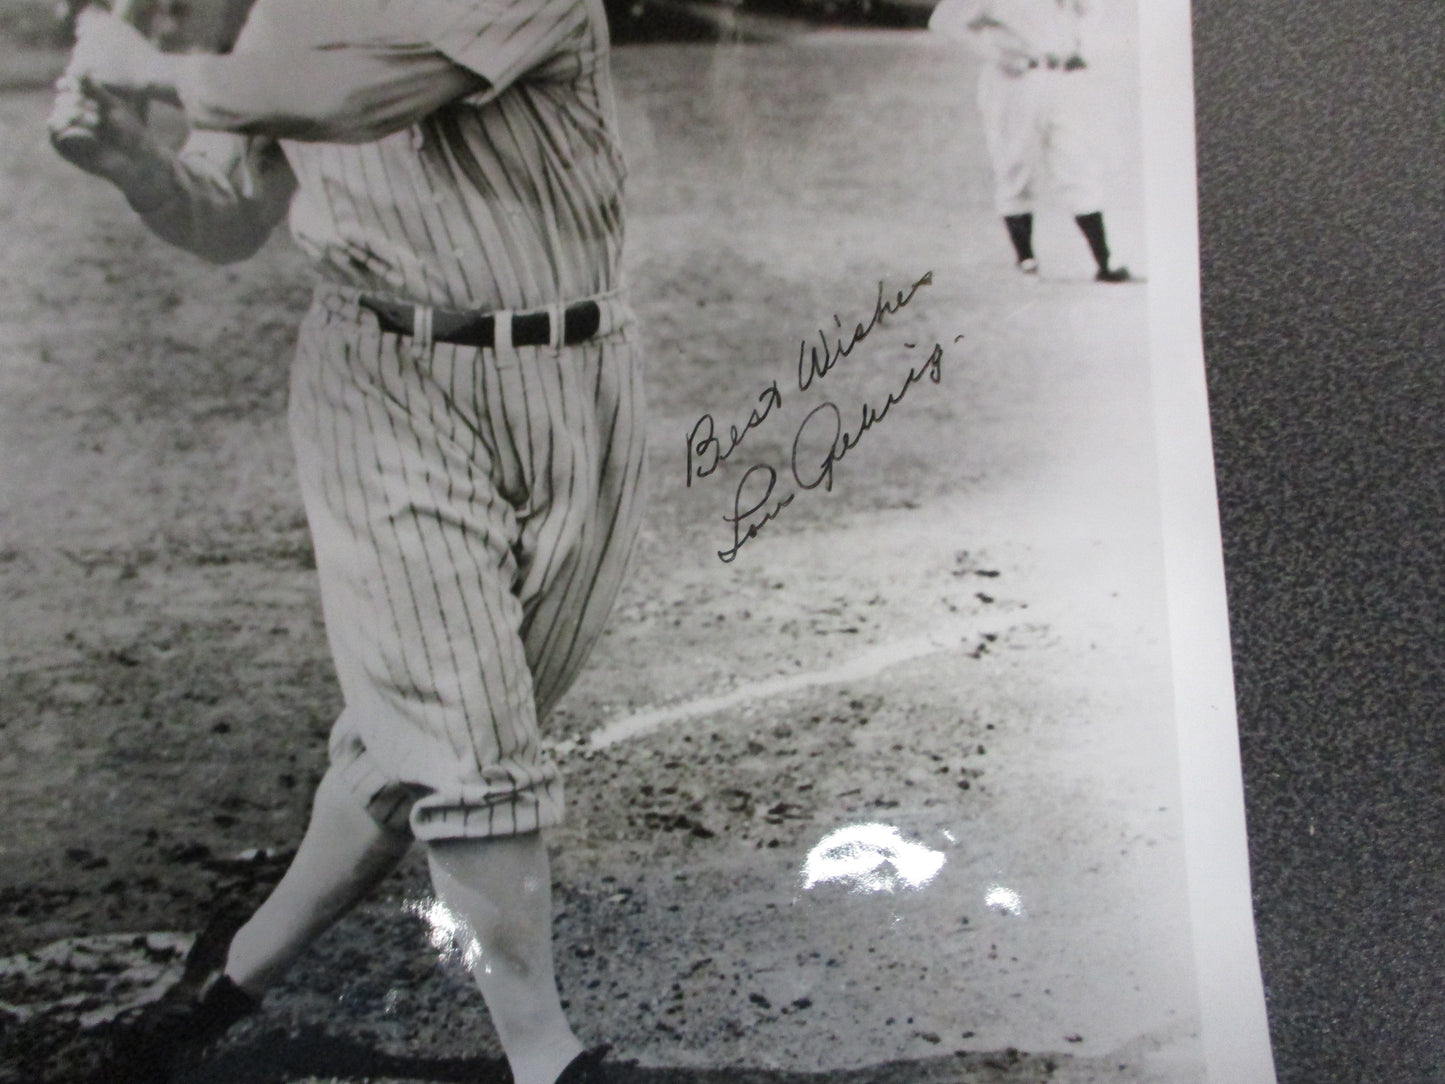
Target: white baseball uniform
472,506
1036,117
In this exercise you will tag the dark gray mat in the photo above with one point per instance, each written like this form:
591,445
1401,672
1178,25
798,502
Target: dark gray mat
1323,211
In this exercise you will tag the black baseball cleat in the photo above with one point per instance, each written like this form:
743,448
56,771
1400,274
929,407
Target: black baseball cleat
161,1038
1112,274
591,1067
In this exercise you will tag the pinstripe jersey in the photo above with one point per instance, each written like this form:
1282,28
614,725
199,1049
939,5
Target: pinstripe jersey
472,508
508,199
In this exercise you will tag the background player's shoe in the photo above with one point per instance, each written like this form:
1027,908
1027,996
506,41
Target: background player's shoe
1112,274
1029,266
590,1067
165,1035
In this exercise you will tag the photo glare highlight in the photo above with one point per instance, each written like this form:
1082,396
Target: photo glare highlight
1001,898
448,934
870,858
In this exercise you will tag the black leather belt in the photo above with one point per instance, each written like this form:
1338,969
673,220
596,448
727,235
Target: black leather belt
580,322
1055,63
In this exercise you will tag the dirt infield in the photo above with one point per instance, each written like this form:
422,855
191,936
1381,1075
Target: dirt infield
962,640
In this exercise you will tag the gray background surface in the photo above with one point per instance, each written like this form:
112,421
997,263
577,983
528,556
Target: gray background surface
1322,214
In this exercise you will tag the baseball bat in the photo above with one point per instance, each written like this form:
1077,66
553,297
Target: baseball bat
75,141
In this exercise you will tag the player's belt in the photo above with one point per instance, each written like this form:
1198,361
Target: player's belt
580,321
1056,63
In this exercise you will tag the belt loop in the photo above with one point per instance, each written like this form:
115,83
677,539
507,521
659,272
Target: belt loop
421,331
502,333
556,326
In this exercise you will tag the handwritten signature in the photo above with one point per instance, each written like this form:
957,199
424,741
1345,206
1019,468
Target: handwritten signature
706,450
822,440
823,425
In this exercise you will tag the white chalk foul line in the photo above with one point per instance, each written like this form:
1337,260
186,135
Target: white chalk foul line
870,663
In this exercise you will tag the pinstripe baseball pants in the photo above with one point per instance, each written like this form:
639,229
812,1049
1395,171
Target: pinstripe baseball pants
472,512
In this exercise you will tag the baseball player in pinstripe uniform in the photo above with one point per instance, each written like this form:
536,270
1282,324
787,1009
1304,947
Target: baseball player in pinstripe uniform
1037,121
467,415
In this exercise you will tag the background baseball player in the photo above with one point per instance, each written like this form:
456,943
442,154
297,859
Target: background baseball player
466,411
1036,118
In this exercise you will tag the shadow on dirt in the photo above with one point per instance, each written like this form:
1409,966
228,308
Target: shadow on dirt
277,1056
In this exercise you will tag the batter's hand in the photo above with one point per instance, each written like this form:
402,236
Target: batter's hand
98,131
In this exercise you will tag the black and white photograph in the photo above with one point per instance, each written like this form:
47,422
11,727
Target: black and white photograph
659,541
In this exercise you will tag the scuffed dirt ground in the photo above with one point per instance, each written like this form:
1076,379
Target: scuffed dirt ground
963,640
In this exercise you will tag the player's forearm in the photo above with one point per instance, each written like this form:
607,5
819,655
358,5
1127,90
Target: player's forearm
350,96
331,93
201,207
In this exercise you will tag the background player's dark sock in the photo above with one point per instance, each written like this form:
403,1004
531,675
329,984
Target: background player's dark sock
1092,225
1021,233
